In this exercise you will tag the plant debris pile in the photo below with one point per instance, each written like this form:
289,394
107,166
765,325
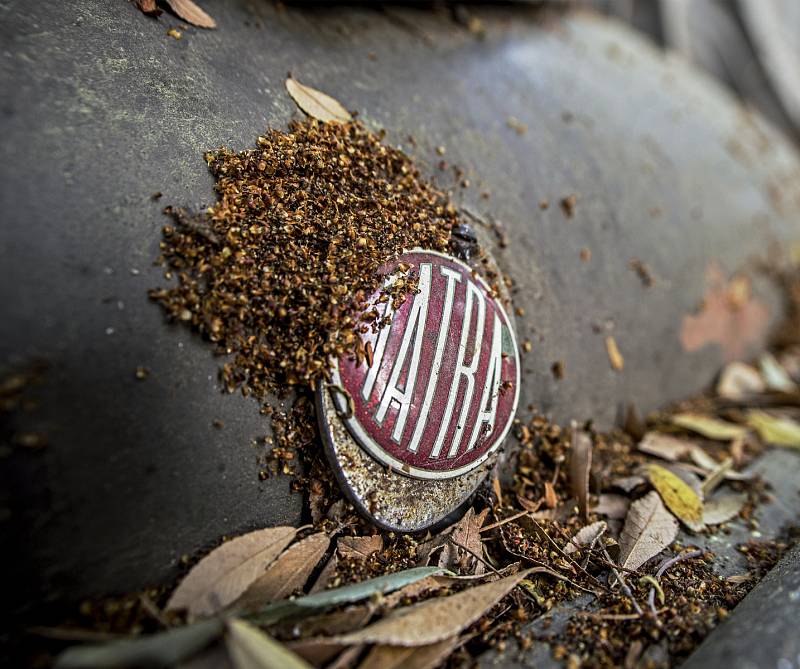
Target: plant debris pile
278,272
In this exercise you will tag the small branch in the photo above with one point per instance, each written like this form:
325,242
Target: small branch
504,521
651,597
625,589
564,555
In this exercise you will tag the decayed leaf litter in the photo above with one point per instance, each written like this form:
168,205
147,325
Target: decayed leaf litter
544,537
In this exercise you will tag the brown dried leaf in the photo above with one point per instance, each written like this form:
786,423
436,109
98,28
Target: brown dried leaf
421,657
288,573
628,483
467,533
723,508
580,465
649,529
191,13
225,573
665,446
359,547
326,575
148,7
678,495
612,506
585,536
550,497
614,356
435,619
738,380
317,104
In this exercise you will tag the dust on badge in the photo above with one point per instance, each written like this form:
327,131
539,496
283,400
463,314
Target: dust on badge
442,388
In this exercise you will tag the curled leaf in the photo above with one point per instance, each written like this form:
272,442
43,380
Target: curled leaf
776,376
191,13
317,104
250,648
580,465
739,380
649,529
776,431
678,495
665,446
723,508
713,428
225,573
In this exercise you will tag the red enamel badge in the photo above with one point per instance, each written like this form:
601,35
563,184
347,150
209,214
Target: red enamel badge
442,389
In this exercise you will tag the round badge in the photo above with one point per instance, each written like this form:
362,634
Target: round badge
436,392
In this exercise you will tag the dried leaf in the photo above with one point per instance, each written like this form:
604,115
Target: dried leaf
739,380
191,13
435,619
359,547
157,650
288,573
776,431
580,465
550,497
679,496
665,446
347,594
649,529
776,376
628,483
716,476
326,575
467,533
586,536
712,428
317,104
723,508
559,514
148,7
612,506
614,356
250,648
225,573
327,624
420,657
703,459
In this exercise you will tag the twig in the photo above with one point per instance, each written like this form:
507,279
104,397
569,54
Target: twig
625,589
651,597
504,521
563,554
474,554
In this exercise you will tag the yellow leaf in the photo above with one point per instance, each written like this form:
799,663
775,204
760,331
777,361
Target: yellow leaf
777,431
677,495
712,428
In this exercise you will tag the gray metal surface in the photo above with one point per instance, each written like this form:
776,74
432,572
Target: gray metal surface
763,630
101,108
